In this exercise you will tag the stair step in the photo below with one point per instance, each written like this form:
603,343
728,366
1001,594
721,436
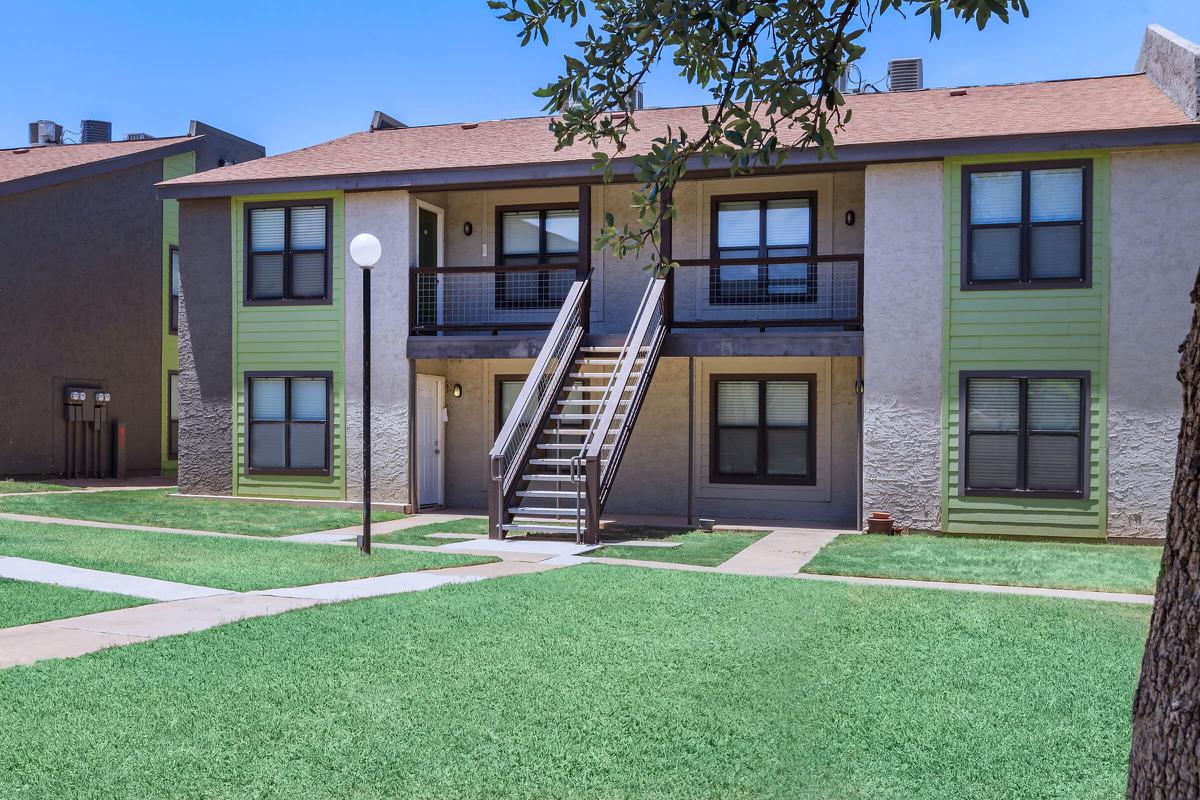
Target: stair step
585,402
605,375
547,478
581,416
563,493
600,362
565,432
536,511
588,388
562,446
537,528
592,348
550,462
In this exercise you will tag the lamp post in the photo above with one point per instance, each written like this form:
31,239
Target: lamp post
365,250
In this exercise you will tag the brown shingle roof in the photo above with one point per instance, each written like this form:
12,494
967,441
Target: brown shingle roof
1124,102
26,162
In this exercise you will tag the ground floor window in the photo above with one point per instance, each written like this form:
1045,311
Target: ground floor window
1024,433
288,425
172,415
762,429
507,391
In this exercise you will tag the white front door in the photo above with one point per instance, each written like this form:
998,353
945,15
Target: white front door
431,429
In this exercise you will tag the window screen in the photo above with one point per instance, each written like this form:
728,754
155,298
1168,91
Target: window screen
535,237
764,228
1024,434
288,253
288,423
1026,225
762,430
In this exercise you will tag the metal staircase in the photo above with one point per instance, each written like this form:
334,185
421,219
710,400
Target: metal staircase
556,457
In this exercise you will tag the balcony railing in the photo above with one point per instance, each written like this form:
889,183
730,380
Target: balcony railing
488,298
786,291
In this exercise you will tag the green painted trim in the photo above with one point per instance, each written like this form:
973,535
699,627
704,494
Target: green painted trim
1026,329
175,166
300,338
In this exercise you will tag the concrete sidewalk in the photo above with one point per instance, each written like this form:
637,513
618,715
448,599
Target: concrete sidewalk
27,569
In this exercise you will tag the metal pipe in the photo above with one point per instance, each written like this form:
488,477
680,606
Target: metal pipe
364,542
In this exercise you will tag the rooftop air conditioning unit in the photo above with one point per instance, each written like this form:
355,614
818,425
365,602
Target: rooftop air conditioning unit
905,75
137,137
45,132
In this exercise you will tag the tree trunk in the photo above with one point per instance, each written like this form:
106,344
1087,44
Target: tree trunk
1164,759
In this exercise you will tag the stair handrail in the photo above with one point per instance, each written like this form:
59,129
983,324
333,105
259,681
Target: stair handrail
534,402
589,466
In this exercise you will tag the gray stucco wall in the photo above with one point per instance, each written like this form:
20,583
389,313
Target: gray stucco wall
387,216
902,343
205,348
87,308
1155,244
1173,64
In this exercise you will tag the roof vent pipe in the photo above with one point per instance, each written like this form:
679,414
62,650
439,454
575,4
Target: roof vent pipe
94,130
905,75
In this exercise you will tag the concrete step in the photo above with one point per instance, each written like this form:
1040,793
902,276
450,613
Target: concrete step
538,528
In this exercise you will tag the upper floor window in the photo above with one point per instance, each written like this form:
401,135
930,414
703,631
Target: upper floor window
1025,434
534,236
174,310
766,227
287,253
1027,226
762,430
288,426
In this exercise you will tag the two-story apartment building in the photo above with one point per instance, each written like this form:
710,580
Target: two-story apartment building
969,318
89,294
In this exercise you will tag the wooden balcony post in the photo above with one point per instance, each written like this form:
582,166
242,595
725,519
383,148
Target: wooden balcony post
583,267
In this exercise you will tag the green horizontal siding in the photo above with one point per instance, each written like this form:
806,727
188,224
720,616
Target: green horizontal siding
1040,329
299,338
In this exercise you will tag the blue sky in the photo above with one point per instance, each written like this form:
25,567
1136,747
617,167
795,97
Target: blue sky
297,73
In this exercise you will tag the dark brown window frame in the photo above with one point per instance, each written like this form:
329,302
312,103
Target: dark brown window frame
172,296
764,296
287,395
762,478
247,261
544,300
964,433
496,386
1026,281
172,455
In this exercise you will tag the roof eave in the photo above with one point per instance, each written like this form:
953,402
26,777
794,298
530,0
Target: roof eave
581,171
44,180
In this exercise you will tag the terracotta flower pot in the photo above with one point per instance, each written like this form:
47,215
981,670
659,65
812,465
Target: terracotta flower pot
881,522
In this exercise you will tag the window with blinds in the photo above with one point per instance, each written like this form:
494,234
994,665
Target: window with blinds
762,430
173,313
767,228
1026,226
172,415
288,425
1024,434
288,256
530,237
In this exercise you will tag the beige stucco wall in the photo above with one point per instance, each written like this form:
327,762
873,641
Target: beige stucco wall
653,477
386,215
903,297
1155,246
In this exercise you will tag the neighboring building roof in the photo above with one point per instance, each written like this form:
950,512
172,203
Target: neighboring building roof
930,123
25,168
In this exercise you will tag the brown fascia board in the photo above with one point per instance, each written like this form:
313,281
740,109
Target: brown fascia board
45,180
560,172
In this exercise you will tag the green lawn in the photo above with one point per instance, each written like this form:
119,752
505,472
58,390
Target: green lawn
22,603
420,533
1099,567
599,682
154,507
14,487
237,564
701,548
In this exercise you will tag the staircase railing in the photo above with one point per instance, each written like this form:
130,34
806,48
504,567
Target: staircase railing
518,438
592,471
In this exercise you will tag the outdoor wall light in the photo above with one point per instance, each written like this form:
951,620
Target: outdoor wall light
850,217
467,229
457,390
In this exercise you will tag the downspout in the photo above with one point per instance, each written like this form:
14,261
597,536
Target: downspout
858,473
691,426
